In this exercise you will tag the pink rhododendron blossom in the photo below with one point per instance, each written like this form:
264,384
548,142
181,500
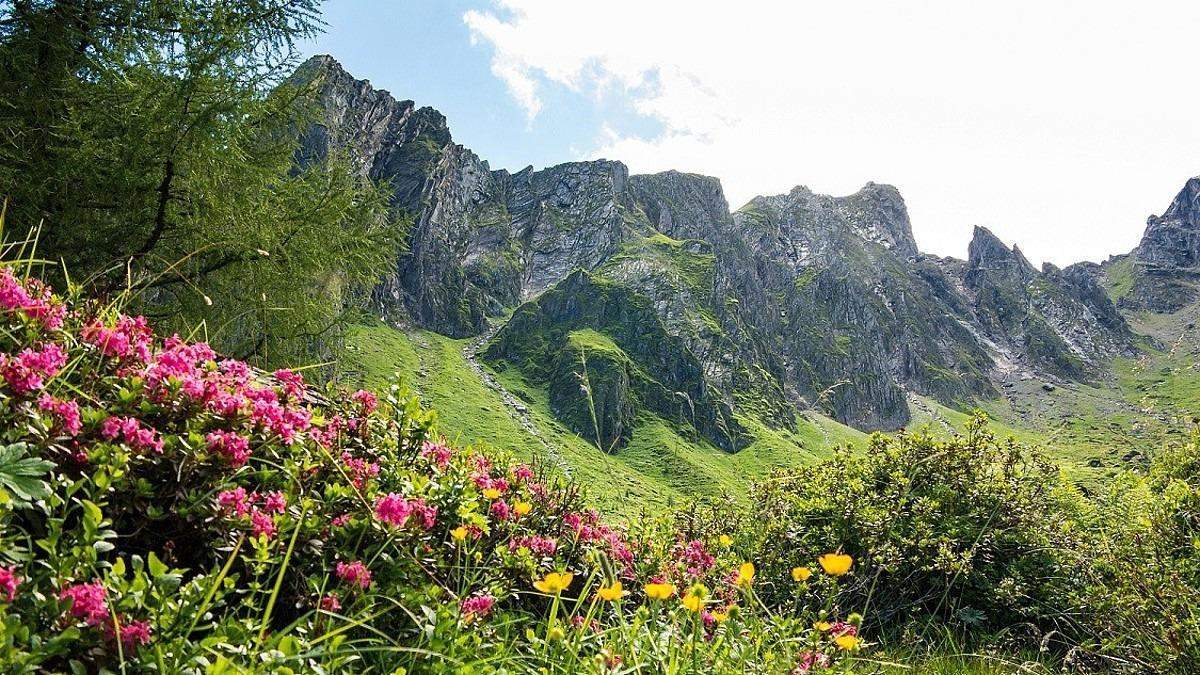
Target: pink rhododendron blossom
354,573
396,510
262,524
366,401
8,583
693,558
33,299
135,435
27,372
330,603
292,382
500,510
522,473
360,470
130,337
810,660
234,448
841,628
275,502
437,454
66,413
477,607
340,521
133,634
234,501
88,602
538,546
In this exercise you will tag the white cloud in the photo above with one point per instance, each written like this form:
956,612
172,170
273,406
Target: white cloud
1059,124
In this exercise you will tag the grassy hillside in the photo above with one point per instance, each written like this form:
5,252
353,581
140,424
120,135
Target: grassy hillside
658,469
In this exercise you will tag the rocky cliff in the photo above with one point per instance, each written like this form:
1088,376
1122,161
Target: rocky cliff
1165,267
644,295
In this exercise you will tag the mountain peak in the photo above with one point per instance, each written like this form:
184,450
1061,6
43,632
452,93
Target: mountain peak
987,250
1172,241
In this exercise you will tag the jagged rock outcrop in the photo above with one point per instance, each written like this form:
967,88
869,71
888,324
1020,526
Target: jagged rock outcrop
643,295
1165,267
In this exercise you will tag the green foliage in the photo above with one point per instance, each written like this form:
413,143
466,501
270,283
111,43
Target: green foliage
968,532
155,146
1145,570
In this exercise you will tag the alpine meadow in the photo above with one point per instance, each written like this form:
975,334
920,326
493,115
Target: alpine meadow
293,382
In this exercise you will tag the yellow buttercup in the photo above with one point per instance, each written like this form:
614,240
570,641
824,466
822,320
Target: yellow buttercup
611,593
554,582
659,591
836,564
800,574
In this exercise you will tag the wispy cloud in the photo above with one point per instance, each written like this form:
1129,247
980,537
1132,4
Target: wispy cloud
1060,124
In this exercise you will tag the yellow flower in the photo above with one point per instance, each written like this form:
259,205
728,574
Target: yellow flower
836,564
694,600
611,593
459,533
719,617
491,493
555,634
745,575
847,642
822,626
725,540
801,574
659,591
522,508
554,582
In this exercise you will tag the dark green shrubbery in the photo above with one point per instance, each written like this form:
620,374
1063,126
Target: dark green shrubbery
969,532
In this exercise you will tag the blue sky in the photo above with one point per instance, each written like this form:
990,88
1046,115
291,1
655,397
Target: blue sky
1059,125
422,50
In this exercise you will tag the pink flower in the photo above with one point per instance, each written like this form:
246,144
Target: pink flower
522,473
360,470
234,448
354,573
395,511
136,436
810,660
235,501
477,607
35,300
437,454
841,628
262,524
8,583
330,603
27,371
129,337
275,502
538,546
133,634
500,510
87,602
293,383
366,401
340,521
67,413
693,558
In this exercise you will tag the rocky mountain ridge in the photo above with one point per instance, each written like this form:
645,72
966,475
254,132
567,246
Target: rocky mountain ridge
645,295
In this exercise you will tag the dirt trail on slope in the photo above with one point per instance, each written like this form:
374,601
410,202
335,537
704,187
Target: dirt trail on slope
921,405
517,409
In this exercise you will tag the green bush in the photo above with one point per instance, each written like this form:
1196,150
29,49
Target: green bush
970,532
1144,590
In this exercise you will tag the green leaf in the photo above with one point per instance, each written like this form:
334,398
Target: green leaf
23,476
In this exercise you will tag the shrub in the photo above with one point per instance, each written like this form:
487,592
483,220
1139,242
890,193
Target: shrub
162,508
1144,588
969,532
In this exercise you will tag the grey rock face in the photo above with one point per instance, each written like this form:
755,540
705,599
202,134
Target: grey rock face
644,295
1166,264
